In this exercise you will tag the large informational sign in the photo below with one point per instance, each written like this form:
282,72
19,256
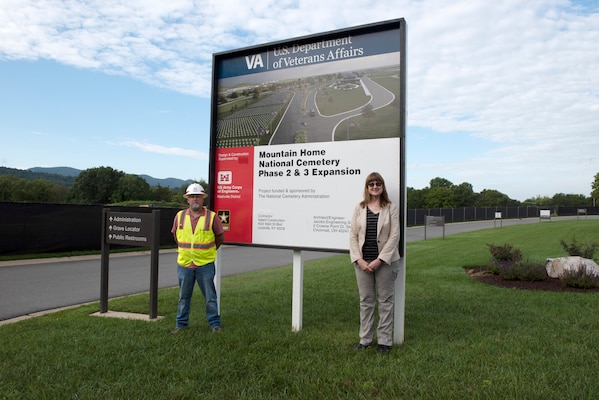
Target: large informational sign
298,125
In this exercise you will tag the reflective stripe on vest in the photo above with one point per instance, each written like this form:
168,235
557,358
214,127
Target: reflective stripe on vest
199,246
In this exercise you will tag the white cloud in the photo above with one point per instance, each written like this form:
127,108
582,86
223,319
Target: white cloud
171,151
522,75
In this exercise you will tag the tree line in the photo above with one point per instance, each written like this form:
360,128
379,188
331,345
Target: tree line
101,185
441,193
105,185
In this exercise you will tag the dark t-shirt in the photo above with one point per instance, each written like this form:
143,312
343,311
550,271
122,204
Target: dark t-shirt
370,249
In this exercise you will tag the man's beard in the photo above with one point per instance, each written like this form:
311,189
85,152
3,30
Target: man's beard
196,207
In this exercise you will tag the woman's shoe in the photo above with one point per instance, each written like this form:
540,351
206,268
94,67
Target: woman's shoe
361,346
384,349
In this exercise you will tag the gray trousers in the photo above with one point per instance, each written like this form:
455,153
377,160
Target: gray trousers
378,286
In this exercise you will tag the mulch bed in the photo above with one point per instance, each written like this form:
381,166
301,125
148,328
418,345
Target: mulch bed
550,284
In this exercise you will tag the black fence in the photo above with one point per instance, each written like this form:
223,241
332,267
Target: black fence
28,228
464,214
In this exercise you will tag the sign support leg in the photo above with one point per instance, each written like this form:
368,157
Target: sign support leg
298,284
104,268
217,276
400,303
154,264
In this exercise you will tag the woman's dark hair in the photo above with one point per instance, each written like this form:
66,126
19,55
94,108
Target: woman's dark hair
375,176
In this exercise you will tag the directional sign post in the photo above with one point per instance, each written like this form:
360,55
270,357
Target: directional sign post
131,229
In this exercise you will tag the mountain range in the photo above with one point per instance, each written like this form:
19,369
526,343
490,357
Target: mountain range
67,176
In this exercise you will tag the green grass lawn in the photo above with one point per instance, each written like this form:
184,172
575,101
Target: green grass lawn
463,339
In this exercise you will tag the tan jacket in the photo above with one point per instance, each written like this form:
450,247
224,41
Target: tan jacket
387,233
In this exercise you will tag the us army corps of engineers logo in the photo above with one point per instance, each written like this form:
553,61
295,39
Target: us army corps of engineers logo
224,216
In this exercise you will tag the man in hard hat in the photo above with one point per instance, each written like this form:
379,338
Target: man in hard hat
198,233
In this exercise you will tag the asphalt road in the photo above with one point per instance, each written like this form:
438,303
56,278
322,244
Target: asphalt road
33,286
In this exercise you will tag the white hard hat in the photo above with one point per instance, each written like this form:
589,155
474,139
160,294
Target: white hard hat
194,188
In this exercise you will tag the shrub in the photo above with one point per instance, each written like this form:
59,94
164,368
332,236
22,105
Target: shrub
502,255
523,270
584,250
580,278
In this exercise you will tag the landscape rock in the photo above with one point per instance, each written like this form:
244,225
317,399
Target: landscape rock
557,266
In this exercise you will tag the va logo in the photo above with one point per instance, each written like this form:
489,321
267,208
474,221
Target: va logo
254,61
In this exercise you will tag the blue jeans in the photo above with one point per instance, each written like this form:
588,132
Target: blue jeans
187,278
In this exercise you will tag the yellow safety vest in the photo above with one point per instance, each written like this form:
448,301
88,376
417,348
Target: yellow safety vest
197,247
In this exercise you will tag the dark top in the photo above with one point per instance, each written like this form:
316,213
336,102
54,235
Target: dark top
370,250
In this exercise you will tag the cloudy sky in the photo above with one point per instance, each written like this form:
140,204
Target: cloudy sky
501,94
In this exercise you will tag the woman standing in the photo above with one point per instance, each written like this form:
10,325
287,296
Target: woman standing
374,249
